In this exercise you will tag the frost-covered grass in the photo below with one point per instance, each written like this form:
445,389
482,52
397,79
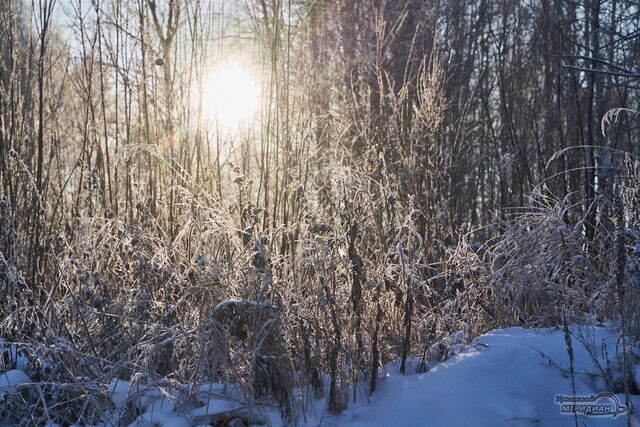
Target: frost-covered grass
135,328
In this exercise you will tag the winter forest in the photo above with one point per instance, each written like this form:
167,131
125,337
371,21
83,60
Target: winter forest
319,212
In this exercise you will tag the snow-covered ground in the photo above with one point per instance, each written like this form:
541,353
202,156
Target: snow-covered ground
502,380
508,377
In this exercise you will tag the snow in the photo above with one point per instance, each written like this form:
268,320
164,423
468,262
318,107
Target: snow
118,391
503,382
13,358
508,377
12,378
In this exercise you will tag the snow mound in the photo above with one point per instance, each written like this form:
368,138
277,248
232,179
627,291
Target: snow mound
508,377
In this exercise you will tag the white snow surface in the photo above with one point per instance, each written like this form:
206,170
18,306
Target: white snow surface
11,379
506,383
508,377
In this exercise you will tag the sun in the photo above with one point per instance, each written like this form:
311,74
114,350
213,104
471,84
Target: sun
230,97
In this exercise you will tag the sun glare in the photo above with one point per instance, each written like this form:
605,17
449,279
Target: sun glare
230,97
